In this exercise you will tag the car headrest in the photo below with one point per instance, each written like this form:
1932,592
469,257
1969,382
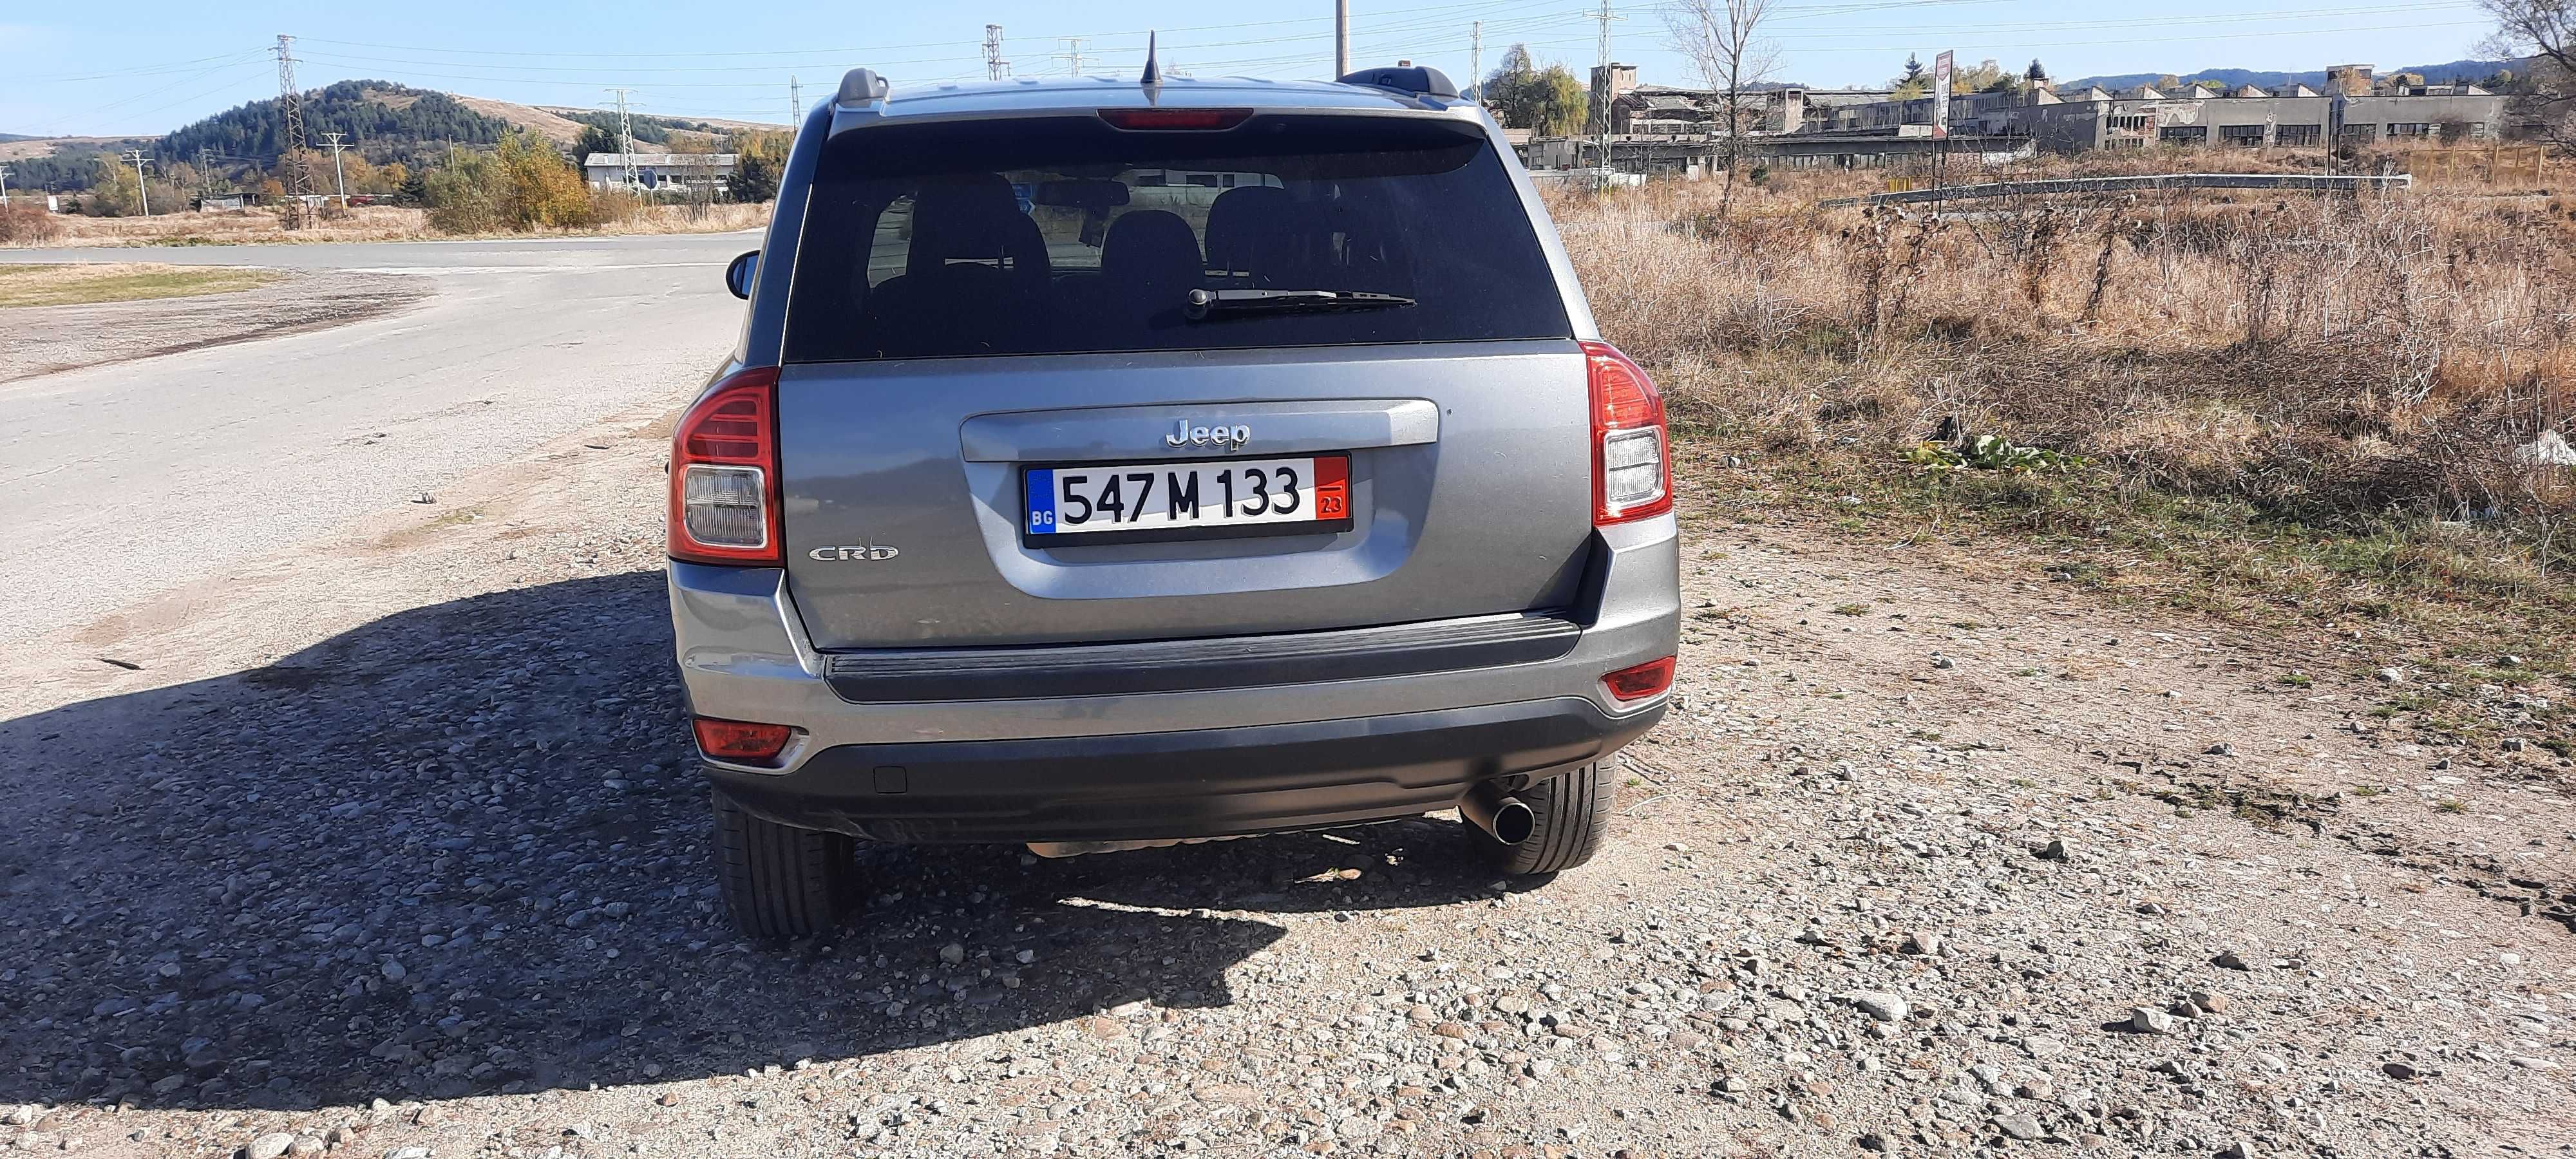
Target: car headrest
1152,247
971,215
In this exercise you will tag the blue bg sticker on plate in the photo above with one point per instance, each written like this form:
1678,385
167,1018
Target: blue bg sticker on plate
1041,485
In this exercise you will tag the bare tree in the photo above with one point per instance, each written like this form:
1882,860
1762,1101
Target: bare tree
2544,32
1723,40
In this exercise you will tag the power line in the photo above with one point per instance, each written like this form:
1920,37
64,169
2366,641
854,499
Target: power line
1452,8
146,69
1412,30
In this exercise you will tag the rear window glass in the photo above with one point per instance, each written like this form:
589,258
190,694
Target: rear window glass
1065,235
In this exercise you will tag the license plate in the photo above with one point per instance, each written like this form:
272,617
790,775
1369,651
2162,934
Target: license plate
1134,502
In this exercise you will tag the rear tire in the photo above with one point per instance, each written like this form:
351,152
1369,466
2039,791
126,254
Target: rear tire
779,881
1572,821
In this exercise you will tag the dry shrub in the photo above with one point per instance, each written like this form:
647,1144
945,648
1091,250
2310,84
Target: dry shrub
25,222
611,208
2321,355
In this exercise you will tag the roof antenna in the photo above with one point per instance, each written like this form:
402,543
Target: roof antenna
1153,77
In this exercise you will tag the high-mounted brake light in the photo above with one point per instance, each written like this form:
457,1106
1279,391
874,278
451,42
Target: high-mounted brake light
741,741
1641,681
1632,468
724,473
1202,119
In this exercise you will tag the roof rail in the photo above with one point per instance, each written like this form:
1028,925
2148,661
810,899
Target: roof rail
1419,80
861,86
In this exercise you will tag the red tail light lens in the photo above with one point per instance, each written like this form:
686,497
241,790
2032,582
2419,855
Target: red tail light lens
724,473
741,741
1632,462
1200,119
1640,682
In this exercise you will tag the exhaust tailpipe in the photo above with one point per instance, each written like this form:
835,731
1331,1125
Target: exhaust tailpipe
1504,817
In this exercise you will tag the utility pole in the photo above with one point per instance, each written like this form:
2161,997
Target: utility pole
1072,54
339,177
995,68
205,175
625,137
795,103
1341,38
4,185
1476,59
290,103
136,156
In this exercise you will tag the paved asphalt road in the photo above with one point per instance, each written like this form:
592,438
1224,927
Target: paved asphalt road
124,480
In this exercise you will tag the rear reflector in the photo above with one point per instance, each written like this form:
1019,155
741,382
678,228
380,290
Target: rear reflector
741,741
724,473
1640,682
1201,119
1632,472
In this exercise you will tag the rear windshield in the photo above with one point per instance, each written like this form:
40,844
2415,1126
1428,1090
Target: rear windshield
1065,235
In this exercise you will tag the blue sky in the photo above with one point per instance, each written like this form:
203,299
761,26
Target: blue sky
147,66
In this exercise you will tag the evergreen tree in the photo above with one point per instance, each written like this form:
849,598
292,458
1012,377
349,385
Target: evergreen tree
595,139
754,180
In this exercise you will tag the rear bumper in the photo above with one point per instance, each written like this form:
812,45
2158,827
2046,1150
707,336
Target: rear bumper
1025,751
1197,783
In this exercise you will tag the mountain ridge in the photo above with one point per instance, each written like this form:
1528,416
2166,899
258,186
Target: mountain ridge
2457,70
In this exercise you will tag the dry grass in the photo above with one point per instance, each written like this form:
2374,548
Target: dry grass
2301,407
366,223
81,284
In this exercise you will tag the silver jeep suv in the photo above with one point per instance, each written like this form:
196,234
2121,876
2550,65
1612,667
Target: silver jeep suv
1109,464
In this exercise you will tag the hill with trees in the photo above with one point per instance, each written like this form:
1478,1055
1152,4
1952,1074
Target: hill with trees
384,122
386,125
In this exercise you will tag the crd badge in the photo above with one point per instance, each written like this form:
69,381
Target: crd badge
861,552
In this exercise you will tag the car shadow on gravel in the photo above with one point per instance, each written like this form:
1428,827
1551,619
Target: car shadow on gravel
459,851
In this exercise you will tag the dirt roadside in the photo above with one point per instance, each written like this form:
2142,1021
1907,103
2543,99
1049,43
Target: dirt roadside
393,844
47,339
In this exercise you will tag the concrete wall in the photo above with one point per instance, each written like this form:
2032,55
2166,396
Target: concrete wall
2068,128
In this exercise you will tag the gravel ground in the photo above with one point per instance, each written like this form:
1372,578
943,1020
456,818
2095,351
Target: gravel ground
1968,868
46,339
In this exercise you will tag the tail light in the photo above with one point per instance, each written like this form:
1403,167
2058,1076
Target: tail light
724,473
741,741
1632,463
1640,682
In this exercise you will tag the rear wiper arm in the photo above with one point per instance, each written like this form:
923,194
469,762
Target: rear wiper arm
1207,303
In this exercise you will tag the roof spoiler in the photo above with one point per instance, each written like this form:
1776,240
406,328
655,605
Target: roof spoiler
861,87
1418,80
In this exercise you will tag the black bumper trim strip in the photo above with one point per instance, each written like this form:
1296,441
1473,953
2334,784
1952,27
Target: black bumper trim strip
940,674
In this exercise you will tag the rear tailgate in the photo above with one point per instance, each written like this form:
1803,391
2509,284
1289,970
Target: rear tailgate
988,316
1469,490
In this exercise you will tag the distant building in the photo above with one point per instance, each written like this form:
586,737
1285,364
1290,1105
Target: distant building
1659,127
660,171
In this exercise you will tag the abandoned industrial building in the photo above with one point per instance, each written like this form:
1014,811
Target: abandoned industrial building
1659,128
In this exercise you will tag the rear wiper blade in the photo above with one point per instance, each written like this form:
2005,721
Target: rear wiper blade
1207,303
